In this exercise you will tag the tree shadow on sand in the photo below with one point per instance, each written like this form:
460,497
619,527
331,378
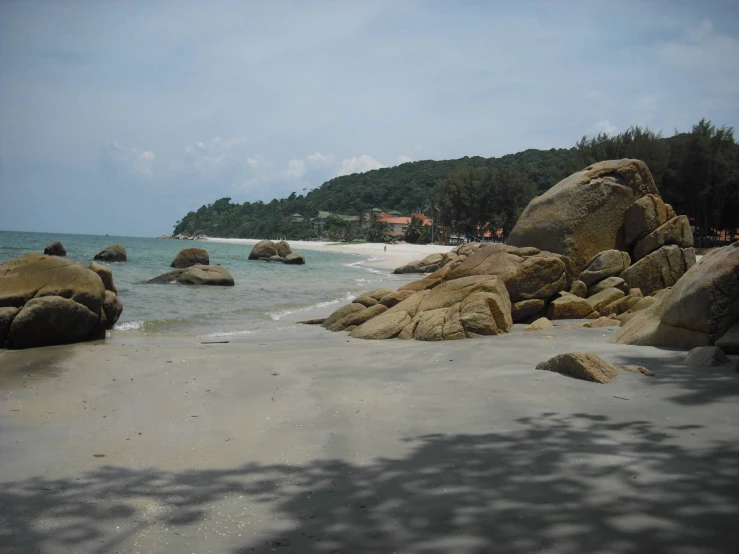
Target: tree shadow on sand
571,484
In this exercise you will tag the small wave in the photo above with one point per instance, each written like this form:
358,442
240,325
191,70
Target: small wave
348,297
129,326
358,265
246,332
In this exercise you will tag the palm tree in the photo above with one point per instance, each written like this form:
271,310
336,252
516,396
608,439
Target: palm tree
413,230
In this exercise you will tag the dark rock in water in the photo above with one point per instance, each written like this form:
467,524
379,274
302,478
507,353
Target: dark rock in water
215,275
294,259
113,253
47,300
188,257
263,250
55,248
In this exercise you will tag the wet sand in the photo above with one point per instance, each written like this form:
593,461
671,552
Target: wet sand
313,442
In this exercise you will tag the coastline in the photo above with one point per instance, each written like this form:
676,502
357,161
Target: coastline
379,258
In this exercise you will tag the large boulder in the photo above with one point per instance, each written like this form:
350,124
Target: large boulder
113,253
55,248
215,275
660,269
188,257
675,231
700,309
283,249
106,274
436,261
50,300
706,356
583,214
294,259
644,216
569,306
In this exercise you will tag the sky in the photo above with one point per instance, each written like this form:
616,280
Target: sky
119,117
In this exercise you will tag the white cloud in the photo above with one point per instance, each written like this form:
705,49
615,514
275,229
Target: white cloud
404,159
129,160
321,160
255,162
295,169
605,126
363,163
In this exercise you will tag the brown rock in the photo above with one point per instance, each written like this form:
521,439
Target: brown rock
604,298
214,275
106,274
113,253
643,217
283,249
584,213
360,317
112,308
188,257
608,263
421,284
50,320
607,283
365,301
6,318
383,326
540,324
706,356
525,309
675,231
578,288
395,297
341,313
601,322
568,307
660,269
617,307
263,250
581,365
294,259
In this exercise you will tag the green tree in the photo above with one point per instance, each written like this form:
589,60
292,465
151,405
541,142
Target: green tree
413,230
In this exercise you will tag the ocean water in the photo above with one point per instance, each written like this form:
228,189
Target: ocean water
266,297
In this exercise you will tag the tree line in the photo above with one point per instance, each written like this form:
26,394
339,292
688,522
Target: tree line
697,172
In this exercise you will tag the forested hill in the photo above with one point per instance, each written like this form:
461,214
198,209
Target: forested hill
697,172
404,188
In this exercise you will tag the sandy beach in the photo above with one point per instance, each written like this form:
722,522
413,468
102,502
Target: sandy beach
378,256
313,442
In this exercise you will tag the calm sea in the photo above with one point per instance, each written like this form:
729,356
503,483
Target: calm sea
265,297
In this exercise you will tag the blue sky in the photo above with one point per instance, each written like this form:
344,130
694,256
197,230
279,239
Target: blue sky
119,117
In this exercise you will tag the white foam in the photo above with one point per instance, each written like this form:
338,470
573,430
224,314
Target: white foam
129,325
358,265
348,297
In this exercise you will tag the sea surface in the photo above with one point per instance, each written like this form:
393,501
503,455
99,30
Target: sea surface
266,297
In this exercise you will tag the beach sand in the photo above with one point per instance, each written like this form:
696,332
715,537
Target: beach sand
379,257
313,442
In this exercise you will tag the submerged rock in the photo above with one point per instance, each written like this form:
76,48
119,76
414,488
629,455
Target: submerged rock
214,275
55,248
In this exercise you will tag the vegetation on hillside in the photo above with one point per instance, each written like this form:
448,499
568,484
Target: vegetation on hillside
697,172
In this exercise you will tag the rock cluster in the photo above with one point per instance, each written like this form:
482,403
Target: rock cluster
599,244
113,253
48,300
433,262
701,309
276,252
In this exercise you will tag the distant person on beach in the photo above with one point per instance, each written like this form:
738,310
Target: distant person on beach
385,248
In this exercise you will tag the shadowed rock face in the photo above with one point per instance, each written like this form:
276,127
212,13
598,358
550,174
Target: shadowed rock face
188,257
701,307
113,253
214,275
583,214
50,300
